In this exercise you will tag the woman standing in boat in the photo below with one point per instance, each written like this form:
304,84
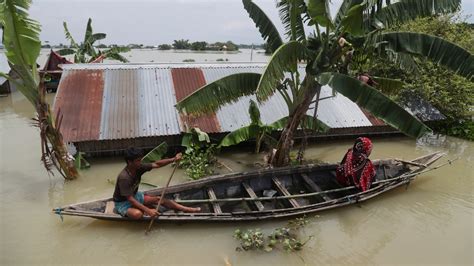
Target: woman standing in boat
132,203
356,169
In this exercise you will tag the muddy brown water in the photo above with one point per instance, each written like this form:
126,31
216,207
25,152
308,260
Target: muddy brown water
429,223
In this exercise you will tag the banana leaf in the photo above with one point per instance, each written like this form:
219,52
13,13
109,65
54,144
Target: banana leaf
22,46
387,85
353,22
319,12
240,135
156,154
285,59
437,50
307,122
407,10
290,15
266,27
346,5
212,96
375,102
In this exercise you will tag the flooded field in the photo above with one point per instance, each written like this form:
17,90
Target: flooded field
432,222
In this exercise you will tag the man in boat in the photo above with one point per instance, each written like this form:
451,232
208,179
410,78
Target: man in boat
132,203
356,169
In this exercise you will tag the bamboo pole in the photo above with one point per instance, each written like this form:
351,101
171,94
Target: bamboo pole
412,163
162,196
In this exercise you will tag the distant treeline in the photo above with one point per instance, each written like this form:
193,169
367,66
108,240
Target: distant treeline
179,45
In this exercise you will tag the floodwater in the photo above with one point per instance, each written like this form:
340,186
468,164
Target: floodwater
177,56
429,223
432,222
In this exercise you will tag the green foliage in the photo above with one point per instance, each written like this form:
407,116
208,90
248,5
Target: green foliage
450,93
284,238
353,22
164,47
377,103
290,16
199,46
212,96
307,122
452,28
250,239
434,48
155,154
256,130
199,158
463,128
285,59
198,161
319,12
230,46
181,44
22,47
85,52
266,27
80,162
328,57
408,10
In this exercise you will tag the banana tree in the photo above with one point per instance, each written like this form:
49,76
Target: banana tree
85,52
261,132
327,56
22,46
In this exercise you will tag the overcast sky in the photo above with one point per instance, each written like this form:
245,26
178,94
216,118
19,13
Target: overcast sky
153,22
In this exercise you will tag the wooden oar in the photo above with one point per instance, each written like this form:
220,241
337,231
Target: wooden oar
162,196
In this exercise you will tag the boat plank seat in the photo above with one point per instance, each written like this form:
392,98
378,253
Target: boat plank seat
252,194
109,207
282,189
215,205
310,183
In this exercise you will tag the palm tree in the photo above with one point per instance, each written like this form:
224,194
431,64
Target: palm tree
327,55
22,45
85,52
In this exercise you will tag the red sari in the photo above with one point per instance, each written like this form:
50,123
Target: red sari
356,169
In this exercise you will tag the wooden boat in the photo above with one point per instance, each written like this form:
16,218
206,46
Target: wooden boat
266,194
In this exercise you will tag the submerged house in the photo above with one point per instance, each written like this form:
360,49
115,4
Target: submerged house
106,108
52,71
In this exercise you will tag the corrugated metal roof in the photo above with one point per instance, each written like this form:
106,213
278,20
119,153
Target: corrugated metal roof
80,103
339,111
138,103
120,117
235,115
137,100
186,81
336,112
158,116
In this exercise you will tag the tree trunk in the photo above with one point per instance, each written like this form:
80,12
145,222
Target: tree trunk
282,156
57,153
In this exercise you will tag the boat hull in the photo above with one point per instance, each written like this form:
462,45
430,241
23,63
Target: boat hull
265,194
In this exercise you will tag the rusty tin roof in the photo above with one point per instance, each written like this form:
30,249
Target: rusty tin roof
123,101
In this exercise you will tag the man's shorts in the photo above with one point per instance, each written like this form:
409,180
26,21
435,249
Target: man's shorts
121,207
